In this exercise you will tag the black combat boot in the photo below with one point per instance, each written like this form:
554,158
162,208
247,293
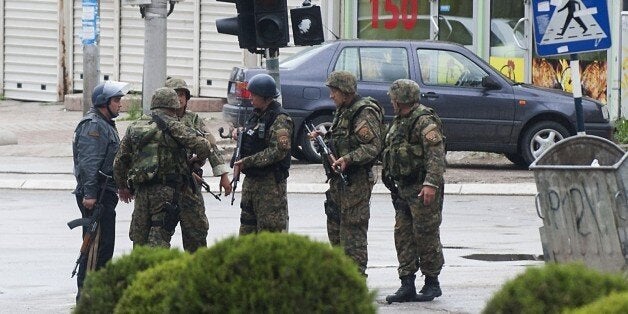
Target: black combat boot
430,290
407,291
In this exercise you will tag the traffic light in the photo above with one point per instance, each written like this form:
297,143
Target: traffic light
307,25
271,23
243,25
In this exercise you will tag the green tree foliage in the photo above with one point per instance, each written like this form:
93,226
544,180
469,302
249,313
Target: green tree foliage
553,288
103,288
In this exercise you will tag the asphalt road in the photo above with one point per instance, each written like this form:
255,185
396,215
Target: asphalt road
487,240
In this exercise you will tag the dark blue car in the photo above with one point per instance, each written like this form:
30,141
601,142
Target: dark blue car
481,109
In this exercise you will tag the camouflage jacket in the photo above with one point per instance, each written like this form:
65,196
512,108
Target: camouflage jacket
356,132
216,161
277,139
149,155
415,147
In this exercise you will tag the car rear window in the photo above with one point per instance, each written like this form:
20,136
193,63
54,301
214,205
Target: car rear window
374,64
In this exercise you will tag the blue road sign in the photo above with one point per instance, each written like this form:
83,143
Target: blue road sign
570,26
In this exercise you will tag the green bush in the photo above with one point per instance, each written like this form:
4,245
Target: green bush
150,292
615,303
553,288
268,273
103,288
621,131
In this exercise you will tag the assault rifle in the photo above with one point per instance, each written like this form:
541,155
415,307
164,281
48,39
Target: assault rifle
205,185
91,223
327,155
237,155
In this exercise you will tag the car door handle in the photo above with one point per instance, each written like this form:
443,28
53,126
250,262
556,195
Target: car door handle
429,95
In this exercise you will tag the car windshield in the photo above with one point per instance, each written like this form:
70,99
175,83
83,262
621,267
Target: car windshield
301,56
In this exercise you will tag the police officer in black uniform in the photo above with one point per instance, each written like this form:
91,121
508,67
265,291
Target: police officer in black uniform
94,146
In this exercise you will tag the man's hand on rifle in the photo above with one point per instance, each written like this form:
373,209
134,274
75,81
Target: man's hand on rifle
89,202
125,195
225,184
234,133
340,164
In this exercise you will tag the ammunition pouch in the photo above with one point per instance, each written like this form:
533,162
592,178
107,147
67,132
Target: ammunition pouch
331,209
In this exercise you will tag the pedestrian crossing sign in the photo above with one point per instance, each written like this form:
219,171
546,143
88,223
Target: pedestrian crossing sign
570,26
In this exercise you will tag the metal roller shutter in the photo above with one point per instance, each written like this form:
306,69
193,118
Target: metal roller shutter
32,58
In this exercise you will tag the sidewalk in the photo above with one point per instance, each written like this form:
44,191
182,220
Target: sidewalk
42,157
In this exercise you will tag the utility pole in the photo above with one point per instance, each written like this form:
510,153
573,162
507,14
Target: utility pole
154,74
91,53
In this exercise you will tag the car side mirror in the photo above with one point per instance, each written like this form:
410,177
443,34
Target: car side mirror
489,82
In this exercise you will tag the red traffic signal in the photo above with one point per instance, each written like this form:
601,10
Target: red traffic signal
271,23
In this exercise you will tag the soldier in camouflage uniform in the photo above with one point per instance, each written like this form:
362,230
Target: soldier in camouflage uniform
356,138
194,224
266,160
413,166
151,166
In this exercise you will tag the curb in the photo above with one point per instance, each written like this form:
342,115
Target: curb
517,189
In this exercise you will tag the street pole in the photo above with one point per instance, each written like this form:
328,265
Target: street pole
272,65
574,64
154,73
91,53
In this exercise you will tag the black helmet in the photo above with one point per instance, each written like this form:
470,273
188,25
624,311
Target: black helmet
107,90
263,85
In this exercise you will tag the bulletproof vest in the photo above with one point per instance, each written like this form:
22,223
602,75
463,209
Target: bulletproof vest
256,137
344,139
158,158
401,158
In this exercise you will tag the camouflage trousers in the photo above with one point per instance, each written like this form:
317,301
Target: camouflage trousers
150,210
264,205
417,231
193,221
348,213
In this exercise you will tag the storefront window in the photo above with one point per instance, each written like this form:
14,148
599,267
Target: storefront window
390,19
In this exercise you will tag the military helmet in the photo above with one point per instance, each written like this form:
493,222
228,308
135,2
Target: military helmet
107,90
177,83
165,97
345,81
263,85
404,91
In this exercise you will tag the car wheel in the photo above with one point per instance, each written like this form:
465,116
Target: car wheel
539,137
307,145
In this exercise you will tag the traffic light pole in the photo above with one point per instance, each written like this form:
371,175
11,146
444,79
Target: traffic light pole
154,73
272,66
91,52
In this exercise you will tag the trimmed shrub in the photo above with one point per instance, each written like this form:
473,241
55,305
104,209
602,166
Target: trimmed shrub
553,288
271,273
103,288
151,290
615,303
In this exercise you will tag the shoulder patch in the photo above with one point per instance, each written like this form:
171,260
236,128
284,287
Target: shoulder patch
365,134
431,134
93,133
283,139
